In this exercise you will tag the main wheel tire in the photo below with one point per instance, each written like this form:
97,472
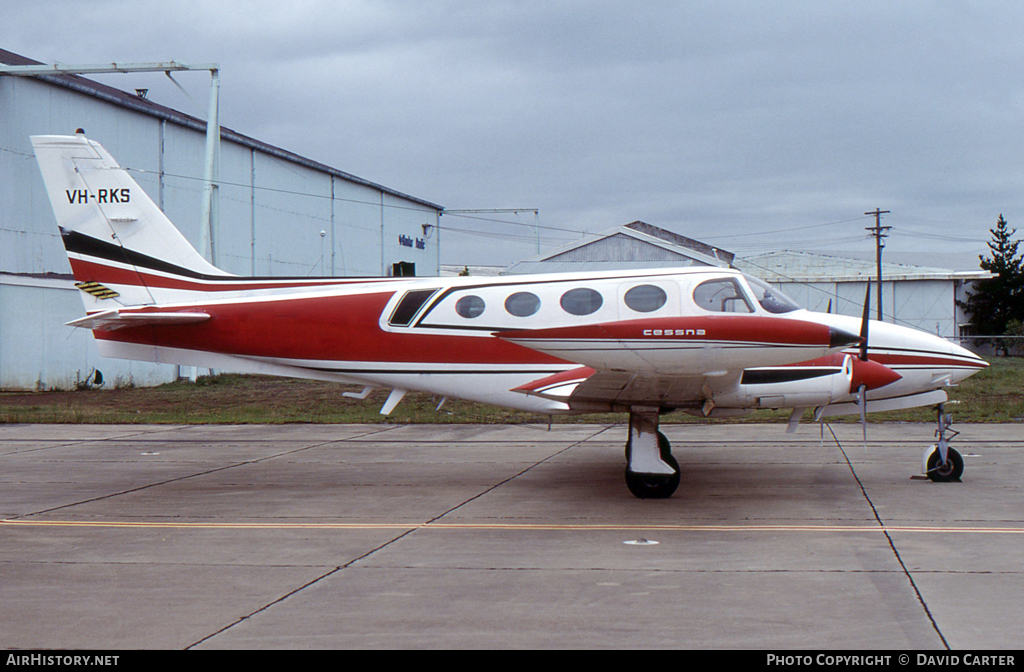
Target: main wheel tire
951,471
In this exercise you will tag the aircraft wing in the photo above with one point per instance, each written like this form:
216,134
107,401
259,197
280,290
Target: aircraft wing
696,346
669,362
585,389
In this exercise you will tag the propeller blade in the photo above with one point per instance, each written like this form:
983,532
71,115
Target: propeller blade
864,324
862,393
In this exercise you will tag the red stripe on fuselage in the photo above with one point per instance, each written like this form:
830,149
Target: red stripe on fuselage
333,328
895,360
85,271
935,360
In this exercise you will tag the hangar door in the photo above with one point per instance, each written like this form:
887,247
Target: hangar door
816,296
850,299
926,305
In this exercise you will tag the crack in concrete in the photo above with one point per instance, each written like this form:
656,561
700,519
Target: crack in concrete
892,544
371,552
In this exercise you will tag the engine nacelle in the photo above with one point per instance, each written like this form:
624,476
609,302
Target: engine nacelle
792,386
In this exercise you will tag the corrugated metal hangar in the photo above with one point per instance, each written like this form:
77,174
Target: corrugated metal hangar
280,214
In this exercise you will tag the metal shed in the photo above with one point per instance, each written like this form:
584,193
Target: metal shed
634,245
279,214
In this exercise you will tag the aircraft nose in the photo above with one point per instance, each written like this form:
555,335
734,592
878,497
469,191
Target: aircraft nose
838,338
967,354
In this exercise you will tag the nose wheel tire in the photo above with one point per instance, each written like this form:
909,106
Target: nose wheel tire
951,471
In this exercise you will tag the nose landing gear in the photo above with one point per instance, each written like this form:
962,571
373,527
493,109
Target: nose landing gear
941,463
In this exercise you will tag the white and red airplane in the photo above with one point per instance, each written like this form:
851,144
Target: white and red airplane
710,341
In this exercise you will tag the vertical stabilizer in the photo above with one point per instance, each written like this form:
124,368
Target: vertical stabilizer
114,234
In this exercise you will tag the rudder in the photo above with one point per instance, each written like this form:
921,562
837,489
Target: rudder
113,232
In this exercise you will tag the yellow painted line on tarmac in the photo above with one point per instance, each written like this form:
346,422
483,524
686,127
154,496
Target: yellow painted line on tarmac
523,527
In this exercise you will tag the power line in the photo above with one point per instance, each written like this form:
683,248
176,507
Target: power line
575,232
506,236
328,197
827,243
796,228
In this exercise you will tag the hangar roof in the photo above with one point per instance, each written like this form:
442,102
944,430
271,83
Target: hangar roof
135,103
790,266
633,245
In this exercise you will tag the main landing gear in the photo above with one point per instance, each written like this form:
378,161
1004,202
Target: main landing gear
651,471
941,463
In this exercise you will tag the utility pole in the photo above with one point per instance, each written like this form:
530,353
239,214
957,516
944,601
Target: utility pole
879,232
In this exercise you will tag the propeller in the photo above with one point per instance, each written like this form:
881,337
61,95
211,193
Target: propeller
864,374
868,374
864,324
862,389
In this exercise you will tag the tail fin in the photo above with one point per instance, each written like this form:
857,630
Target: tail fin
114,234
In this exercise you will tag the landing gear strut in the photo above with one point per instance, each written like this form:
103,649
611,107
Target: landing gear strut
651,471
941,463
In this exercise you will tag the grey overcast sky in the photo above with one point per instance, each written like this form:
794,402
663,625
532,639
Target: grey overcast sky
751,125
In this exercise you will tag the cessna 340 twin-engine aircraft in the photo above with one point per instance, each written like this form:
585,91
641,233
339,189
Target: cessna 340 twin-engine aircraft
708,341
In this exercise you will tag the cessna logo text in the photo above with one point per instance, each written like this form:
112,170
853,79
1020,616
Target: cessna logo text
673,332
101,196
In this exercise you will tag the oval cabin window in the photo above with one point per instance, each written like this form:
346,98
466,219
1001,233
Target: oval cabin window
470,306
581,301
522,304
645,298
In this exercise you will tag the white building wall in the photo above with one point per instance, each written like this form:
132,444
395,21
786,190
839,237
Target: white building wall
816,296
37,352
357,233
928,305
418,227
295,249
181,185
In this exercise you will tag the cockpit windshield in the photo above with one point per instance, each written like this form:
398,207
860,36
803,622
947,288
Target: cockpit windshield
771,299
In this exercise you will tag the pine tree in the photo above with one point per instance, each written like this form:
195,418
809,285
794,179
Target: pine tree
997,302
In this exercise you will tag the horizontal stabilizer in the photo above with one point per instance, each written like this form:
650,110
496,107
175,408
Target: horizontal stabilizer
109,320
